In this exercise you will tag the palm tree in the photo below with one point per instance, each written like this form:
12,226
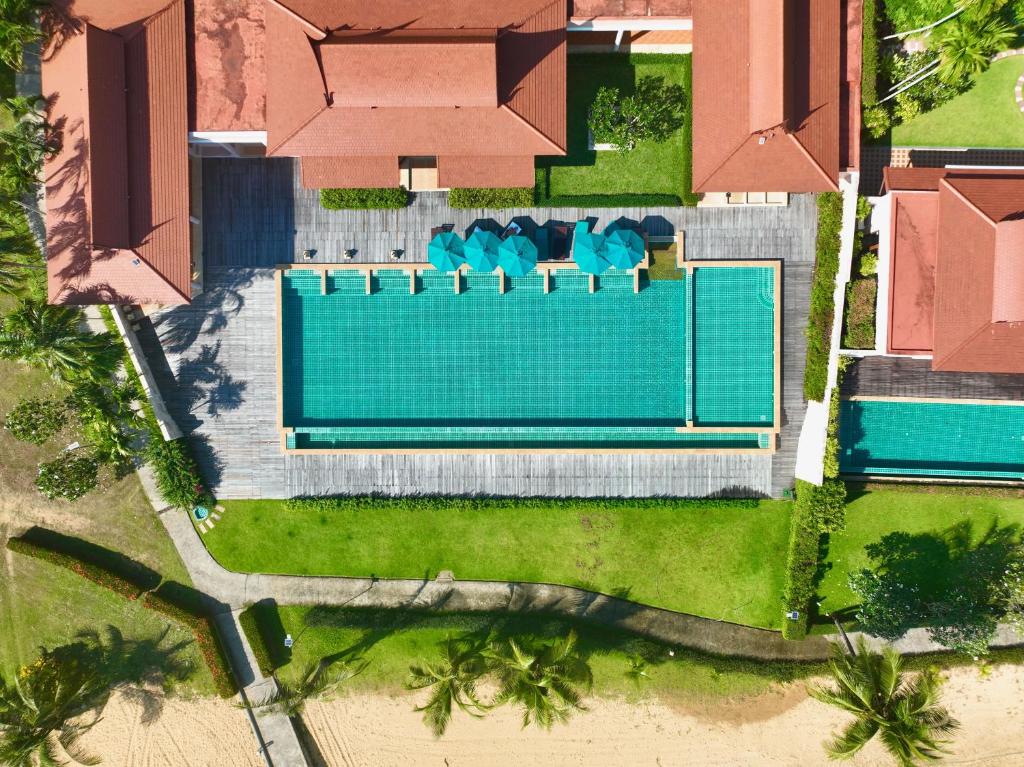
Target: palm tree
978,8
903,711
542,678
967,45
453,679
19,25
317,680
636,672
49,337
38,709
17,252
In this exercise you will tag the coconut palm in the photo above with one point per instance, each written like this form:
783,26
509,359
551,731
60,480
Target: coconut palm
37,711
977,8
902,710
542,678
49,337
967,45
317,680
453,678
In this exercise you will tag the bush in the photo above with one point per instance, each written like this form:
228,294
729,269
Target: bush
69,476
98,575
823,285
868,264
206,638
364,199
36,420
859,330
517,197
177,477
822,506
877,120
831,467
251,626
801,572
869,55
653,112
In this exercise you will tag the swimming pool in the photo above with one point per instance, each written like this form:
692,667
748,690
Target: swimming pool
527,369
931,439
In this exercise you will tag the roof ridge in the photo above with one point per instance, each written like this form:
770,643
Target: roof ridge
539,11
814,161
966,201
157,272
722,164
961,345
143,23
290,136
532,127
309,25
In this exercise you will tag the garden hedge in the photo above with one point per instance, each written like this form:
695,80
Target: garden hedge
251,626
611,201
823,285
364,199
205,634
869,55
516,197
801,570
98,575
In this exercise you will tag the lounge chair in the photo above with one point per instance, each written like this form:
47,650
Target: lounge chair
440,229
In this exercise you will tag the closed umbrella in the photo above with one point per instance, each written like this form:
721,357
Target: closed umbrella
481,250
517,256
445,252
589,253
625,248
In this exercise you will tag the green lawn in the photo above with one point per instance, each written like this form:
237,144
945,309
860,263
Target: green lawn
390,641
930,518
985,116
650,169
718,559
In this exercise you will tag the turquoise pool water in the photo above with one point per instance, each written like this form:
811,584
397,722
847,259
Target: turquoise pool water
526,369
931,439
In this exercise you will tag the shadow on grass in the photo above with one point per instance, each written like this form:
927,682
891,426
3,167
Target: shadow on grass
113,561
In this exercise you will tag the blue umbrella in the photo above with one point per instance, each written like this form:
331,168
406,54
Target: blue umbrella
625,248
517,256
589,253
482,250
445,252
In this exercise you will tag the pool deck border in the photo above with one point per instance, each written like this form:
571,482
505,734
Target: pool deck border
547,267
933,400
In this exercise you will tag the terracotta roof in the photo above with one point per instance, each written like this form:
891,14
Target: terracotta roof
330,111
735,145
979,266
591,9
497,172
117,192
349,172
913,249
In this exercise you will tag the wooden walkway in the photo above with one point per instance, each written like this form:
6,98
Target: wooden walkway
896,377
215,359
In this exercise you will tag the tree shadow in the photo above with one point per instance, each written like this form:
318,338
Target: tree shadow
129,569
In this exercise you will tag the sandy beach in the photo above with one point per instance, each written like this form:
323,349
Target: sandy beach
783,727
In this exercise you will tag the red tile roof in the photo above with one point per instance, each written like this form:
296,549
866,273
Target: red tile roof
592,9
349,172
913,249
341,96
741,86
117,192
979,278
497,172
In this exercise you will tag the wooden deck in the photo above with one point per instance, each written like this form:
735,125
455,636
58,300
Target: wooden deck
897,377
215,359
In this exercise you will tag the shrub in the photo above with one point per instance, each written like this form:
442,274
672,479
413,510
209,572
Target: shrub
98,575
36,420
859,331
877,120
869,54
831,467
801,571
826,267
206,637
69,476
822,506
364,199
177,477
868,264
653,112
517,197
251,626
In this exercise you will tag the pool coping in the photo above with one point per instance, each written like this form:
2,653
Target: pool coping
548,267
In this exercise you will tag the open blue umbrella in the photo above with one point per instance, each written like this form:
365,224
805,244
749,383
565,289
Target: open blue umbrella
589,253
445,252
517,256
481,250
625,248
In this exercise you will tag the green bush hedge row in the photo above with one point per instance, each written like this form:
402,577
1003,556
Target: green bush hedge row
823,285
205,634
251,626
517,197
611,201
869,55
801,567
98,575
364,199
175,470
831,468
377,504
822,506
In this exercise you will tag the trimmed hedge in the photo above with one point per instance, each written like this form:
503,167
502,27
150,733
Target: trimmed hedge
824,505
869,55
205,634
516,197
801,570
364,199
611,201
250,623
92,572
823,285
